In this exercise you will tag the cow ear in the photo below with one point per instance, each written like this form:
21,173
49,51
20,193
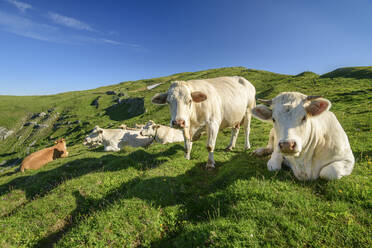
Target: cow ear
160,98
262,112
318,106
198,96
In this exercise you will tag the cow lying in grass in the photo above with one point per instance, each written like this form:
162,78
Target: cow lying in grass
40,158
137,127
162,134
306,136
115,139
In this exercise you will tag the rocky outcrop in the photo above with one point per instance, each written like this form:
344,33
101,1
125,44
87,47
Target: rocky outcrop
95,102
30,123
41,126
5,133
110,92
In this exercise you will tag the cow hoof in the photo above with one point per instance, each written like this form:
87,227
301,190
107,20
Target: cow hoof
229,149
259,152
262,152
272,166
209,166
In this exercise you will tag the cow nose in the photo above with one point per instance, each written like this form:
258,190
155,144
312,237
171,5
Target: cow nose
287,145
178,123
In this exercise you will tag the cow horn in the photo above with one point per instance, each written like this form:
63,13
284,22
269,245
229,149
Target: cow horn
266,102
309,98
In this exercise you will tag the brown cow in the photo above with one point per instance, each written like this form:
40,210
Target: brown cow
40,158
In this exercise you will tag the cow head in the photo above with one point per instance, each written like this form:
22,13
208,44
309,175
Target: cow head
291,115
95,138
60,141
149,129
180,99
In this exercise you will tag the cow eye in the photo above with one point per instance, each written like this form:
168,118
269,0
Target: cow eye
273,120
304,118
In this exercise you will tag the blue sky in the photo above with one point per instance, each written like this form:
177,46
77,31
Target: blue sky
49,47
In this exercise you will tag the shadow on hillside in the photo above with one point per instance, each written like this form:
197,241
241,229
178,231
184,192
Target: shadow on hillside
6,154
126,109
41,183
192,190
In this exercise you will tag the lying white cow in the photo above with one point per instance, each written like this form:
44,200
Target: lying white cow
162,134
114,139
210,104
307,136
138,127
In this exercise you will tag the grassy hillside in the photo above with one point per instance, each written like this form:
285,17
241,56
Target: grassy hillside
155,198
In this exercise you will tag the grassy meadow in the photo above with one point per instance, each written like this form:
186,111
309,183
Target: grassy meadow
153,197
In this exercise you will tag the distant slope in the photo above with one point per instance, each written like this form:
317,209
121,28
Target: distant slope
350,72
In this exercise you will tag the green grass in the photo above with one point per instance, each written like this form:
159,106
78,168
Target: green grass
155,198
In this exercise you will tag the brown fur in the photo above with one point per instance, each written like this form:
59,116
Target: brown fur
40,158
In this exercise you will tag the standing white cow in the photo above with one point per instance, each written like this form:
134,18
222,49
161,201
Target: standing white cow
162,134
307,136
210,105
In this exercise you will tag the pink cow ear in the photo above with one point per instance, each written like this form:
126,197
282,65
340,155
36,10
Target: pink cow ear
318,106
198,96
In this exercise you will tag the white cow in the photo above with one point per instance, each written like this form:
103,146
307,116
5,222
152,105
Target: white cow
306,136
210,105
137,127
162,134
114,139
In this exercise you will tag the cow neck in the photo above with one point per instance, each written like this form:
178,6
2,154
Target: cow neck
311,139
156,133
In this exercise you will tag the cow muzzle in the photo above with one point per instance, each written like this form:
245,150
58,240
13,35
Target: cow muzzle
178,124
288,146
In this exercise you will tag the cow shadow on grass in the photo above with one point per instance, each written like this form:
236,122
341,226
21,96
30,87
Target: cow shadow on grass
40,183
192,190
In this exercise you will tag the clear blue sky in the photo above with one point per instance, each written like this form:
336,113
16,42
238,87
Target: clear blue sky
55,46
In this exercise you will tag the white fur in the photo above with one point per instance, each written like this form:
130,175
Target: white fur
228,104
322,147
115,139
162,134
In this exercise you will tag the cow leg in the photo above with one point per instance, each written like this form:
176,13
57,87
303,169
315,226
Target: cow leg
336,170
212,131
260,152
188,143
275,162
234,136
188,147
111,149
247,128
